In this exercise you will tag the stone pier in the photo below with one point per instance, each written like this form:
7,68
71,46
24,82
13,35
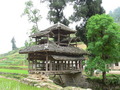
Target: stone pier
76,79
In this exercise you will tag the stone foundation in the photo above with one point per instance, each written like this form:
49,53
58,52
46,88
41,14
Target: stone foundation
75,80
38,80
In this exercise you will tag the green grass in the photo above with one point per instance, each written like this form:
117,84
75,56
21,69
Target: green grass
111,79
14,71
15,76
13,58
14,67
6,84
21,66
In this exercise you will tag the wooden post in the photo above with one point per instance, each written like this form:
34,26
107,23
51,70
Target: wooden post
48,38
65,65
76,43
76,65
50,65
80,64
46,62
36,41
35,65
31,65
58,36
68,65
72,64
28,62
57,65
62,65
53,67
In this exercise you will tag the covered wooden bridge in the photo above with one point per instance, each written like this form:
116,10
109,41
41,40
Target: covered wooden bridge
55,52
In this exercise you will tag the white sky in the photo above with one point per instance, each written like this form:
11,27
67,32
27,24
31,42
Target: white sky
11,23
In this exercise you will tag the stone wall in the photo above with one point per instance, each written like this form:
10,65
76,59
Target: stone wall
75,80
38,80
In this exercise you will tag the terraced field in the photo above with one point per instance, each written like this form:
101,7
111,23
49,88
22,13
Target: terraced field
7,84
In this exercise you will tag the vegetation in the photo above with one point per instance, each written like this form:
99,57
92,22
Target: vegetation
83,10
99,33
33,17
13,44
13,59
14,75
6,84
116,15
14,71
112,79
55,13
103,39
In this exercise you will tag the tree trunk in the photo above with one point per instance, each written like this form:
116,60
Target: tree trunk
104,76
92,72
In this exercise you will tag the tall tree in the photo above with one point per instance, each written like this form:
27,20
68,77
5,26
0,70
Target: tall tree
13,44
55,13
103,36
33,15
83,10
116,15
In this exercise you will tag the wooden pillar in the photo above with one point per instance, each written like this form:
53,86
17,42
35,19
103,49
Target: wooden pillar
80,64
53,66
35,65
50,65
36,41
48,38
62,65
57,65
58,36
68,65
28,62
65,66
72,64
46,62
32,64
76,65
76,43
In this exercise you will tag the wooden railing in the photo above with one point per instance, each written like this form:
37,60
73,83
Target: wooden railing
55,66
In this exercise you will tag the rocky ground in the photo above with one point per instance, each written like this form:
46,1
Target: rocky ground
43,81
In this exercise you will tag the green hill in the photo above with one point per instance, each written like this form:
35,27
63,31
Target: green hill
13,58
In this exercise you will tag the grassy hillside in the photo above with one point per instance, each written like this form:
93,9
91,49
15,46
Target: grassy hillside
13,58
7,84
